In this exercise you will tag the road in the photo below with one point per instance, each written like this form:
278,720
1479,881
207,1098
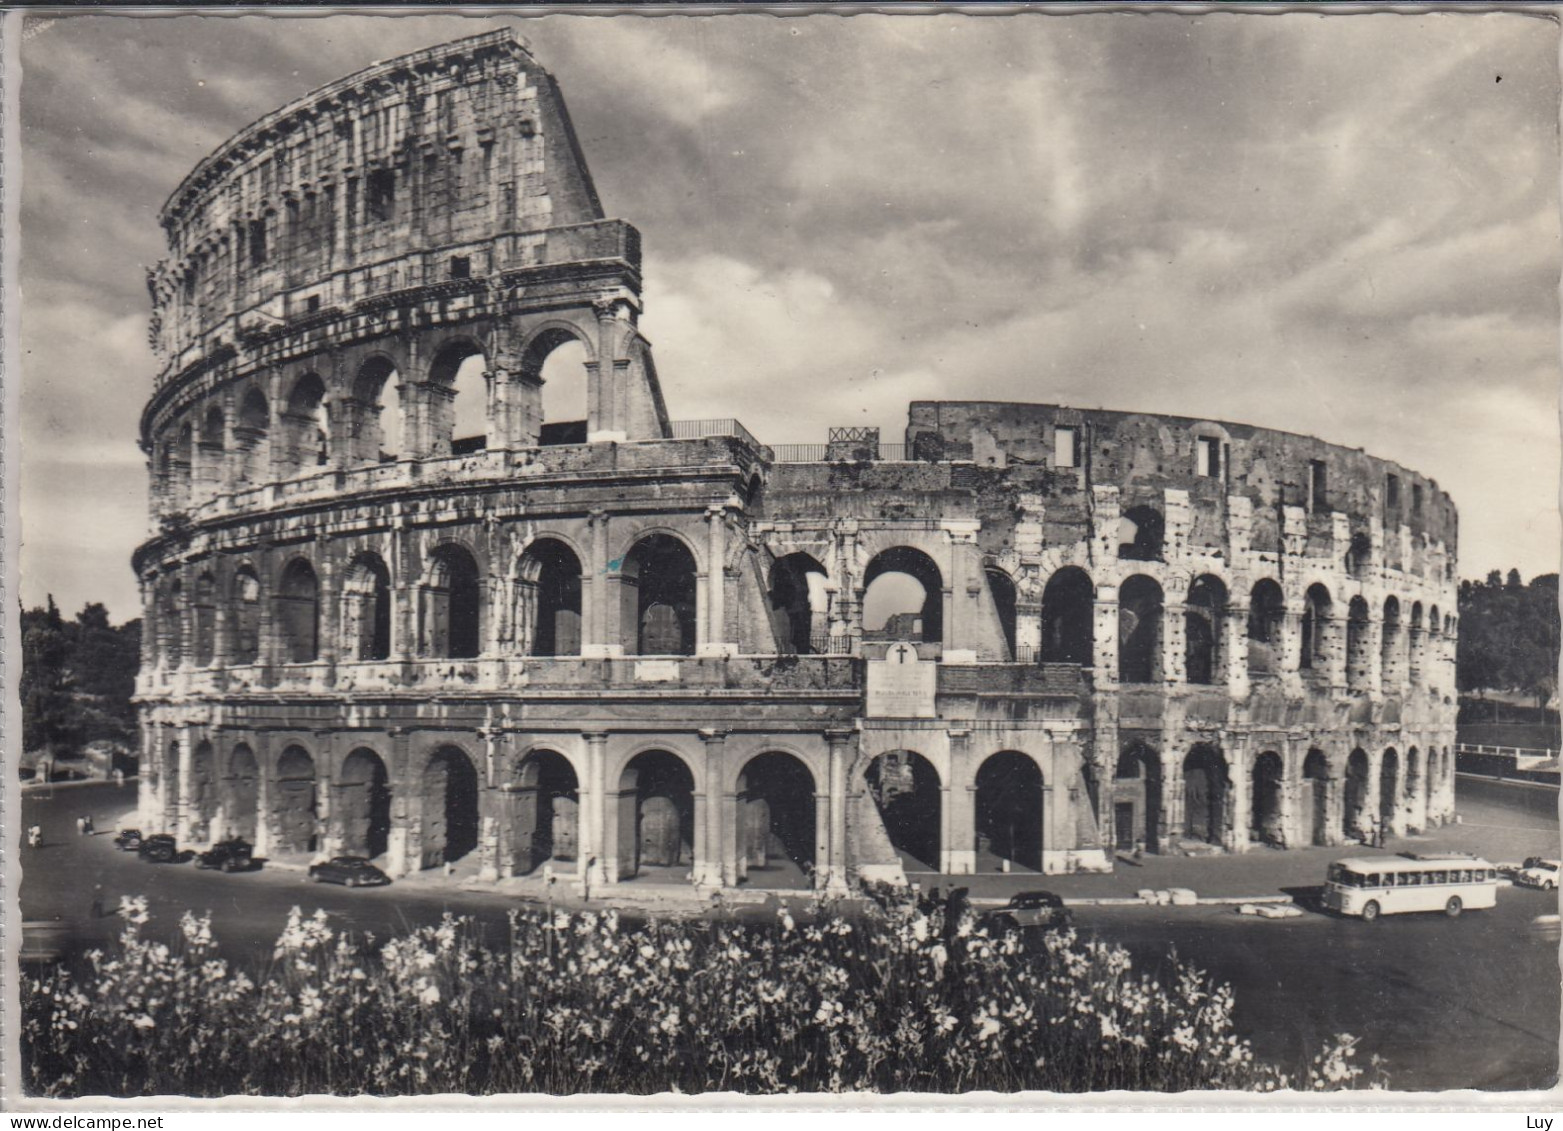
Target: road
1466,1003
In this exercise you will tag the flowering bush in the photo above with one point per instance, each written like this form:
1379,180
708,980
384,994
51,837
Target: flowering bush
894,1000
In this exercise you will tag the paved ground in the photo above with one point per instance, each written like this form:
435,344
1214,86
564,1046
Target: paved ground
1472,1002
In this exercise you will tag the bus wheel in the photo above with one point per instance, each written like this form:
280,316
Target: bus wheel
1454,907
1370,911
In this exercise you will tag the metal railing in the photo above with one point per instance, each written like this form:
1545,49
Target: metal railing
702,429
821,453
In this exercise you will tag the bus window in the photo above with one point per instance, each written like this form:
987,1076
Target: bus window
1370,880
1440,878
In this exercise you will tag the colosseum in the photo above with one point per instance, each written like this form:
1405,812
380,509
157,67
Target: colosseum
395,609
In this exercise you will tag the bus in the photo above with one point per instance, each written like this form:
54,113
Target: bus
1371,886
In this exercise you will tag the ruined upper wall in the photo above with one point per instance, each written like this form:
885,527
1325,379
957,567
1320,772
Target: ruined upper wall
450,156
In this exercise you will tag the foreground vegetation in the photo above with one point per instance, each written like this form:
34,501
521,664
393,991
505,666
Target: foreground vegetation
895,1000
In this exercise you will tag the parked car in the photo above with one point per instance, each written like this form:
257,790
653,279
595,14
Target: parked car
128,840
159,848
1029,910
1539,873
350,871
231,855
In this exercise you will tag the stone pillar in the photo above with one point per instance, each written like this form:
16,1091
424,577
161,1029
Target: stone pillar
1235,648
404,593
592,867
1104,651
1375,646
713,636
1291,649
404,845
600,595
265,770
1336,653
183,817
488,805
1174,643
836,861
848,613
958,833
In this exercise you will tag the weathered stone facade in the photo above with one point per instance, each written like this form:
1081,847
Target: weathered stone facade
634,643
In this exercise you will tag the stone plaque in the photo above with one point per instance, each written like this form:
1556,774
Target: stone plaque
901,686
657,671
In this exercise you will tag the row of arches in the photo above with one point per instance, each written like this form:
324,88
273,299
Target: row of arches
374,415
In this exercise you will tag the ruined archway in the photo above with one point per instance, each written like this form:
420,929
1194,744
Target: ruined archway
204,802
1141,531
1068,605
306,427
1359,664
1203,614
905,788
246,606
1316,642
1266,614
1002,589
1315,798
775,810
548,592
1389,792
366,609
1137,799
170,622
377,412
457,400
362,813
1205,789
1265,816
1008,810
659,597
252,440
546,817
452,605
799,605
1139,630
656,813
554,364
293,802
903,597
298,613
1392,648
204,617
450,807
1356,815
241,793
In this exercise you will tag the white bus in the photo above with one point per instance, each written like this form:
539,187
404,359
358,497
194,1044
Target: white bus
1371,886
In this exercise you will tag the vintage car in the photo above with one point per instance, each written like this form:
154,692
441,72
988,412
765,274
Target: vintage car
1029,910
232,855
350,871
159,848
127,840
1539,873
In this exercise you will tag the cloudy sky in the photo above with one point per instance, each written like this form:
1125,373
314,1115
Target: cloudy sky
1342,225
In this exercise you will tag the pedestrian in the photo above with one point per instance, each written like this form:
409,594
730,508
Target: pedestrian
81,826
91,828
35,836
97,901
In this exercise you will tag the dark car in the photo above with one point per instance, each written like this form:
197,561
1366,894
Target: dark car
232,855
160,848
128,840
1027,910
351,871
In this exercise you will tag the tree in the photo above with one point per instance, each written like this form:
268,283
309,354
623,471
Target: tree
78,679
1509,635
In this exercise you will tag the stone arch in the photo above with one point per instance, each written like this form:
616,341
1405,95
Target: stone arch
1356,813
1315,798
1001,587
1139,630
450,806
377,408
776,818
898,612
205,619
1137,799
1266,614
306,426
1414,778
1068,616
452,604
241,792
1389,791
799,604
1358,642
659,586
366,608
545,818
181,466
362,812
246,605
298,612
170,622
1141,532
457,389
1204,612
554,364
656,812
1206,788
1265,823
905,787
252,439
1316,643
1392,646
1359,555
548,599
204,801
1008,809
212,449
294,804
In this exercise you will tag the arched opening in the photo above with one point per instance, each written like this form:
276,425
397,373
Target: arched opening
1359,556
298,613
1068,608
1137,800
1266,614
656,813
903,597
1315,798
450,807
211,450
1389,792
366,608
555,361
548,593
1139,630
1265,824
294,803
1392,644
306,426
363,805
1203,613
1414,780
1140,534
1205,789
377,412
659,598
1316,629
452,605
1415,644
547,810
205,620
181,464
204,801
905,788
458,400
1359,666
776,832
800,604
241,799
170,623
1356,816
252,439
246,616
1002,590
1009,811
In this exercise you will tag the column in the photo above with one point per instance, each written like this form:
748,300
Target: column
184,771
404,593
958,824
1174,643
1104,651
1375,646
707,872
260,746
592,869
1235,648
403,845
600,595
716,642
488,805
1336,653
836,859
